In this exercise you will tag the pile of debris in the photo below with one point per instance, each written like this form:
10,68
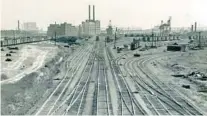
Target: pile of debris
8,54
197,75
176,67
137,55
193,75
8,60
13,48
4,77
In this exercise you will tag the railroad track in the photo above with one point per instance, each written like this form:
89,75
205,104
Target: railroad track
102,96
147,95
165,101
172,95
74,102
61,101
62,87
128,105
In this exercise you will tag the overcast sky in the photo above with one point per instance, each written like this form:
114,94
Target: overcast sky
124,13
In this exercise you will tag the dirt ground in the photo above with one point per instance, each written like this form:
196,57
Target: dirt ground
28,58
42,63
191,64
186,68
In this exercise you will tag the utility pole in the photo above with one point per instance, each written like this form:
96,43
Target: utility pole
14,37
105,41
155,40
115,40
55,38
55,33
152,37
199,37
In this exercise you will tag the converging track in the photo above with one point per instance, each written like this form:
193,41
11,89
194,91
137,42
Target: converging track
102,101
160,99
128,105
85,88
59,92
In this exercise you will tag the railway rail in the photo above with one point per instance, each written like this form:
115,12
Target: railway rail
74,102
103,104
77,99
159,98
170,93
164,100
62,87
128,104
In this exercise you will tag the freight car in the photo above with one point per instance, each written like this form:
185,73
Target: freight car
135,44
108,39
132,46
97,38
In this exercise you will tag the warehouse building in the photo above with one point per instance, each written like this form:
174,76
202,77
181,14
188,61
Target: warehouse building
64,29
177,47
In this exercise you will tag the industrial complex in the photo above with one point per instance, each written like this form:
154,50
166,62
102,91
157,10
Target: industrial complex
85,69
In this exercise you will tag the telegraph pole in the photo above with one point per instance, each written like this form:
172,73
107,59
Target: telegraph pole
55,33
105,41
115,40
156,40
14,37
152,37
199,37
55,38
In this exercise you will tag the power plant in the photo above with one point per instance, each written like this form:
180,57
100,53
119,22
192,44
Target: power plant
90,27
89,13
82,69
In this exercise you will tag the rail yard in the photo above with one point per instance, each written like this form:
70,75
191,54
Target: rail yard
55,63
95,79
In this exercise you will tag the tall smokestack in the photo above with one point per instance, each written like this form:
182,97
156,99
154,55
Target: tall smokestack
93,13
195,26
89,12
191,28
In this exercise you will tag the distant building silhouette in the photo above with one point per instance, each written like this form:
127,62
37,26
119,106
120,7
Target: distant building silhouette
90,27
30,26
64,29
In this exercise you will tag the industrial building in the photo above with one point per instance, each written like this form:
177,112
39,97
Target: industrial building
29,26
109,30
90,27
165,28
64,29
9,33
19,33
28,29
177,47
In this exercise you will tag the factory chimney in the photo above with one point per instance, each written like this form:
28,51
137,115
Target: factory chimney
195,26
191,28
93,13
89,12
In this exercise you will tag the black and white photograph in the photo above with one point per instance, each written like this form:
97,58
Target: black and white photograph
103,57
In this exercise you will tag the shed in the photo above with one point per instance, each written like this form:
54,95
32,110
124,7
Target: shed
179,47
